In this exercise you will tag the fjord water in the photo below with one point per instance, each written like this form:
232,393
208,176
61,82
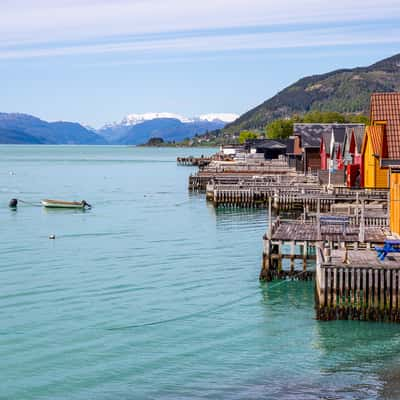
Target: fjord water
153,294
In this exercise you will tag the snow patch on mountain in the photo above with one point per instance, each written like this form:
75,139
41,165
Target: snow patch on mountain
224,117
136,119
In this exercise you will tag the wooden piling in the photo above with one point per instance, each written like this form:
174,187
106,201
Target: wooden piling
367,289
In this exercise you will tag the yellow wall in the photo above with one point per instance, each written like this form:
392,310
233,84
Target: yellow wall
369,165
381,176
395,202
374,175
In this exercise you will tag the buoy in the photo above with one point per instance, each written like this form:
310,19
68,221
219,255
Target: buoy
13,203
52,237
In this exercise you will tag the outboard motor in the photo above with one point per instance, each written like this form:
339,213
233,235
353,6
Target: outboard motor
86,204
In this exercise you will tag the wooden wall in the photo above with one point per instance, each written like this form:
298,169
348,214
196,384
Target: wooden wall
312,159
374,175
395,202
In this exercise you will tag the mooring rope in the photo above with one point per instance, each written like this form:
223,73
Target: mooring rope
31,203
199,313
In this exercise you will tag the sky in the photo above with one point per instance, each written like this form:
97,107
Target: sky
95,61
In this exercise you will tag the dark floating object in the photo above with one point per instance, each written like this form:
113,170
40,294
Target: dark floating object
13,203
52,237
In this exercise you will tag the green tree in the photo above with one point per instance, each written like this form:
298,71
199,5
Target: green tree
279,129
245,135
358,119
327,117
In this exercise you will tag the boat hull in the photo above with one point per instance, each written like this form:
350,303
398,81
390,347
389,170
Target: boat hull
62,204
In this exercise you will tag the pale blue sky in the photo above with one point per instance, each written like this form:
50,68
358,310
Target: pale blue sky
94,61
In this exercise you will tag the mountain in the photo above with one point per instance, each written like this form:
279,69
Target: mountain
18,128
139,128
23,128
344,90
9,136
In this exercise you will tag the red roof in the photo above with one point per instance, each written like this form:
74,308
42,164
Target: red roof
385,107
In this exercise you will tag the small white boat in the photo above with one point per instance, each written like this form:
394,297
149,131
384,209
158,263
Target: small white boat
65,204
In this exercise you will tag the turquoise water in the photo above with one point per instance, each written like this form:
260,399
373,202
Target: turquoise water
153,294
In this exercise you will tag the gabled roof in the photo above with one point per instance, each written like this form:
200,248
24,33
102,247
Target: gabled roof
311,133
271,144
376,135
268,143
386,107
358,134
326,141
339,133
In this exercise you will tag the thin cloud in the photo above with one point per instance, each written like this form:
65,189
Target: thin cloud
48,21
219,42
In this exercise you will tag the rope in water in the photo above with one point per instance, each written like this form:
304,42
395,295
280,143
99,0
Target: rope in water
199,313
31,203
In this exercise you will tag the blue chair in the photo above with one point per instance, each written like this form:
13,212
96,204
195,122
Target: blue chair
390,246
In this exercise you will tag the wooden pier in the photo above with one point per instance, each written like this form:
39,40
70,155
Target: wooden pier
298,240
294,239
289,195
193,161
233,172
356,285
205,180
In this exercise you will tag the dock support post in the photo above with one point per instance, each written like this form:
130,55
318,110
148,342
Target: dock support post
318,219
269,217
305,255
265,274
319,282
362,225
292,256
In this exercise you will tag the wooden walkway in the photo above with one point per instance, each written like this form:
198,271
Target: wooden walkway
300,231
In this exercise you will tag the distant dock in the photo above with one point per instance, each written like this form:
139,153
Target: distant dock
193,161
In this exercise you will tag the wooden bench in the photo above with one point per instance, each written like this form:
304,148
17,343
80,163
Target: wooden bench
390,246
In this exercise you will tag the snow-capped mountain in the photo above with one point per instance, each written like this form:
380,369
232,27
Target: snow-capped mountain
133,129
135,119
139,128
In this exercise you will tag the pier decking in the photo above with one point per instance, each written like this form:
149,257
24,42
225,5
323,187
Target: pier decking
298,240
